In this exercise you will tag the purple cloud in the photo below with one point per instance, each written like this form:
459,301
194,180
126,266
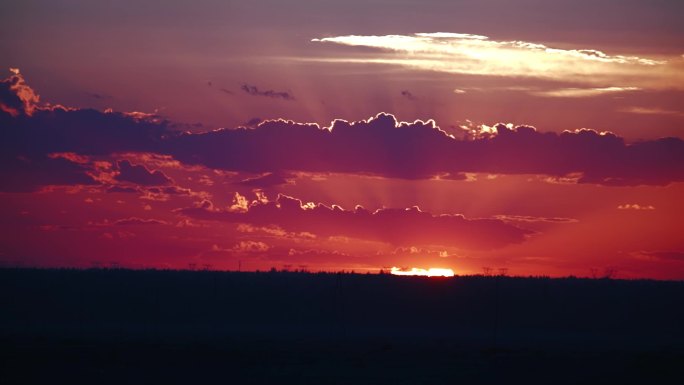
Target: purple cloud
21,174
265,181
139,174
378,146
255,91
402,227
418,150
138,221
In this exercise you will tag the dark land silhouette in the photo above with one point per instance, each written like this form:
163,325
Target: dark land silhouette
114,326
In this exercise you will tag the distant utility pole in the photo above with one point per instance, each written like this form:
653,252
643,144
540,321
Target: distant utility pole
239,266
192,266
487,271
609,272
503,271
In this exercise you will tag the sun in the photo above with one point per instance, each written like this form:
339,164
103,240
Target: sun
431,272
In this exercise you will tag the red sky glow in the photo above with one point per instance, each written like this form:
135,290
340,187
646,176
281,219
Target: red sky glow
226,136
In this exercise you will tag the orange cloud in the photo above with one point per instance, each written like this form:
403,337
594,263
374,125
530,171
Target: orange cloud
635,206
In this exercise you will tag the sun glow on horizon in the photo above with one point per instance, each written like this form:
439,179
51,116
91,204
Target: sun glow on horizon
431,272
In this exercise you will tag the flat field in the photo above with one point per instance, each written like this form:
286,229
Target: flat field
119,326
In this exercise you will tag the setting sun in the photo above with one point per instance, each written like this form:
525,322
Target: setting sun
431,272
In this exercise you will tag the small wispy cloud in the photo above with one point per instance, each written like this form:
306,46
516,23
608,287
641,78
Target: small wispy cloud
408,95
651,111
528,218
255,91
582,92
138,221
98,96
635,206
658,255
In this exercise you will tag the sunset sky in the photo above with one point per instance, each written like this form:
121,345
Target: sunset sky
544,137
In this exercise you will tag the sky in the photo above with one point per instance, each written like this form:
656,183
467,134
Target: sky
541,137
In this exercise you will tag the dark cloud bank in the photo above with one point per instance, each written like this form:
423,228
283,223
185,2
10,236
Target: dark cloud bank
382,146
379,146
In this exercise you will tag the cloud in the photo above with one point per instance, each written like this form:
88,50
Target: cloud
16,97
255,91
251,247
419,150
87,132
153,160
266,181
31,130
138,221
21,174
123,189
379,146
468,54
139,174
252,122
408,95
659,255
153,193
170,190
527,218
583,92
668,255
70,156
404,251
275,232
401,227
97,96
651,111
635,206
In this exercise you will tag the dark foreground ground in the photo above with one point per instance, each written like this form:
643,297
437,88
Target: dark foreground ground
170,327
